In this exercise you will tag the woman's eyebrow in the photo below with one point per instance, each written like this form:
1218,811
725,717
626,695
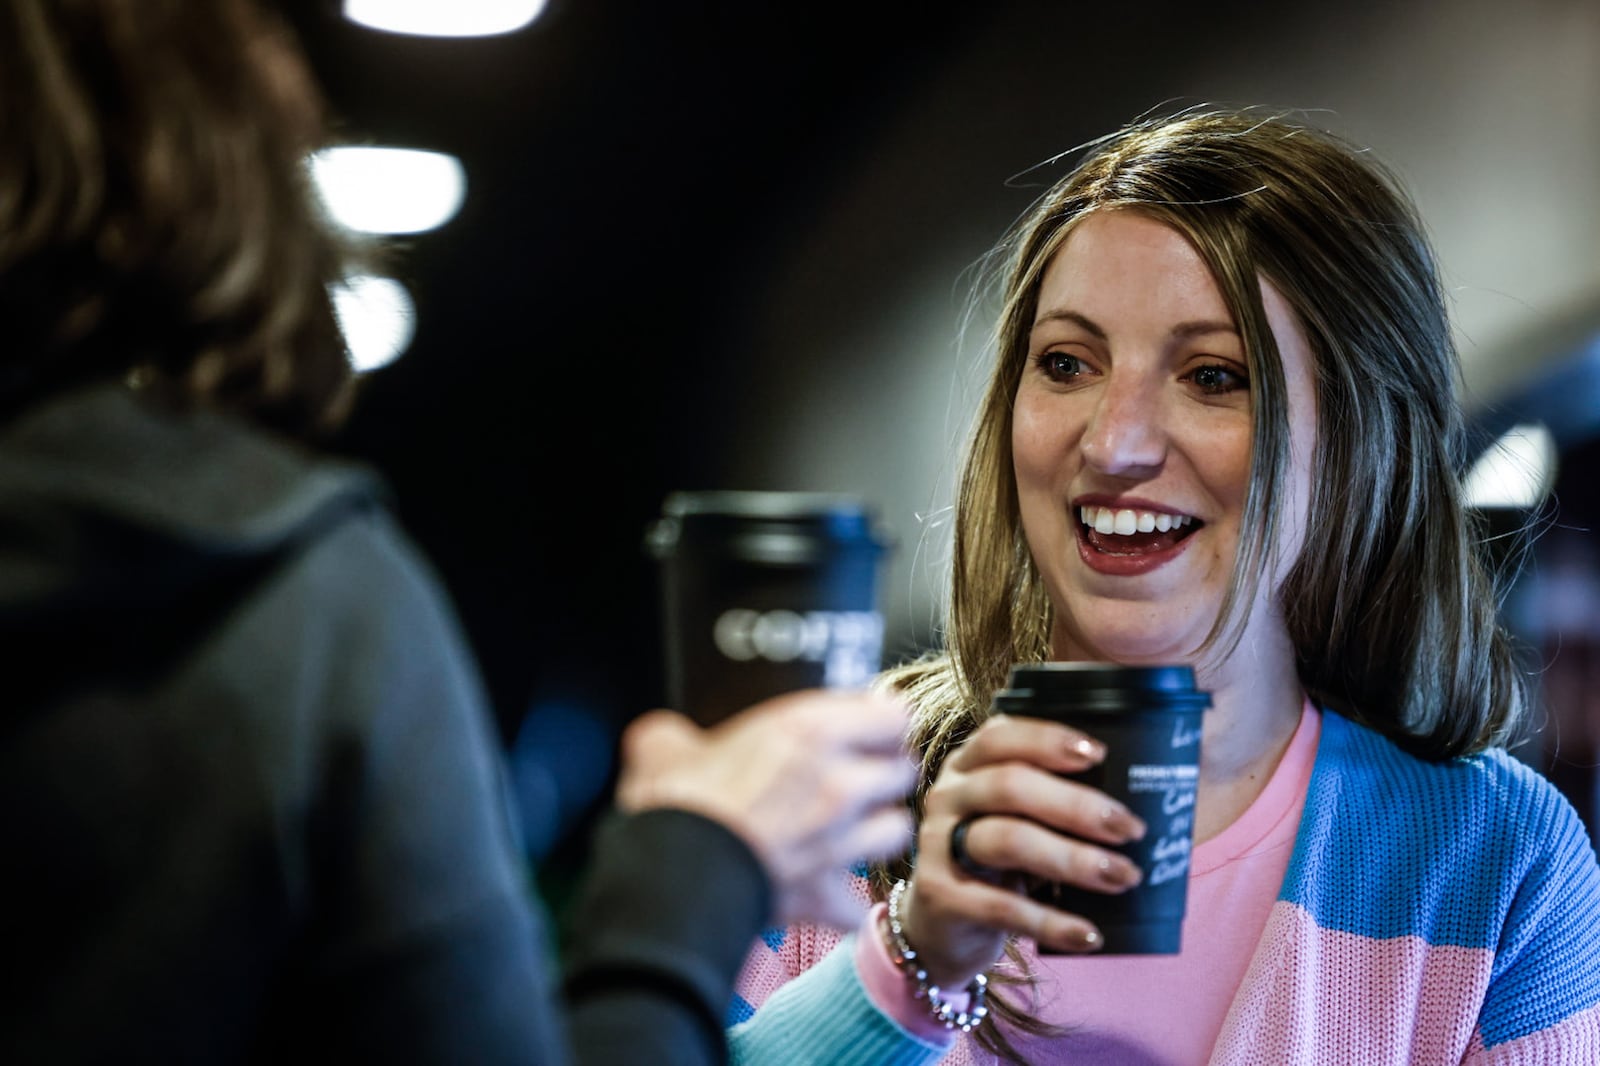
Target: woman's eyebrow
1196,328
1083,321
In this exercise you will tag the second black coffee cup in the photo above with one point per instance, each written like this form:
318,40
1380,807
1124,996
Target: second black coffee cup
1148,718
766,592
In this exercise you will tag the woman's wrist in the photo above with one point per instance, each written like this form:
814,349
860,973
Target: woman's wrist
886,986
962,1009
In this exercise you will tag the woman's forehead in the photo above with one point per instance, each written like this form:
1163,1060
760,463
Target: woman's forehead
1127,266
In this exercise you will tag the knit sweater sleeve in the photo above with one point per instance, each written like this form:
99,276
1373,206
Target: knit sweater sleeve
825,1018
799,999
1543,999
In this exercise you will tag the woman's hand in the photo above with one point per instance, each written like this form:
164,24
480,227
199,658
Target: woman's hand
1024,821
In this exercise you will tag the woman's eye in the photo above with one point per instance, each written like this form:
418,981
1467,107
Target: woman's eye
1218,380
1060,366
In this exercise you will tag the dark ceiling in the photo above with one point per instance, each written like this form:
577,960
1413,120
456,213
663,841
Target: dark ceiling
634,172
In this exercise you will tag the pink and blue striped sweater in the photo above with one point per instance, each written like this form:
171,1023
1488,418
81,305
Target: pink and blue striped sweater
1441,913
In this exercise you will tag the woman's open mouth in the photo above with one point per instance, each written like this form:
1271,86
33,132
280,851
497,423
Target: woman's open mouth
1127,541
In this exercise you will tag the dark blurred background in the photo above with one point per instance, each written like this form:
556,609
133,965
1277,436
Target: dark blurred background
731,245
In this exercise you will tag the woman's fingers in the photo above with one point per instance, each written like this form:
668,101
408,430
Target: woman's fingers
1024,821
962,911
1051,745
1018,845
1025,790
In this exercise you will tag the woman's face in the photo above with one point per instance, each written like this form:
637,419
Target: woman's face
1131,443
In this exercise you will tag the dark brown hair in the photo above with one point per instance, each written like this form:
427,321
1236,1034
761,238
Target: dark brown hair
156,214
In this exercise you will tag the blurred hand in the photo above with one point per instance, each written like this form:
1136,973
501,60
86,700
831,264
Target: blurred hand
813,781
1025,821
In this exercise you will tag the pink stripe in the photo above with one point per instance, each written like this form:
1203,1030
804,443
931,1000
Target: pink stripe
765,971
1577,1039
762,974
1319,996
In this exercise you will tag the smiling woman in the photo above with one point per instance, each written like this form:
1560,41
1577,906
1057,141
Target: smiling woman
1220,430
1134,401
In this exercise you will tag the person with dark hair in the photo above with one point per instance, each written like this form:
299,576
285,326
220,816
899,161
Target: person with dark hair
1221,429
255,804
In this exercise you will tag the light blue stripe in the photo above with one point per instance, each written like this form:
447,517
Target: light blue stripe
824,1018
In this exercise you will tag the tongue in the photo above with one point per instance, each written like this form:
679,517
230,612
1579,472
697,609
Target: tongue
1132,543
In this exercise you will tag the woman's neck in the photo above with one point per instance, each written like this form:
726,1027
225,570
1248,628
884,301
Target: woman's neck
1256,703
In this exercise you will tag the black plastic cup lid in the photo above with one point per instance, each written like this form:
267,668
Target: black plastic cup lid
777,527
764,505
1103,686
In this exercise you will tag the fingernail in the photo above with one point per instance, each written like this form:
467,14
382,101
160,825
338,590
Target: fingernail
1117,872
1089,748
1089,939
1122,823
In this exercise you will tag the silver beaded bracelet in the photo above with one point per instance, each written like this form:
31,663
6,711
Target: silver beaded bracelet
904,956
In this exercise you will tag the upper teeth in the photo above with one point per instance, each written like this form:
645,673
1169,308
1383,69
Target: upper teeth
1106,520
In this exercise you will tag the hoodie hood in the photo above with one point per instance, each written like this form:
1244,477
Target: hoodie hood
122,523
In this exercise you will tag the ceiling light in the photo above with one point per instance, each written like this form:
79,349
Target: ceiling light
1515,471
376,316
444,18
389,190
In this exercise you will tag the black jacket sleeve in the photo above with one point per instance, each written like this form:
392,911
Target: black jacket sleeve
659,930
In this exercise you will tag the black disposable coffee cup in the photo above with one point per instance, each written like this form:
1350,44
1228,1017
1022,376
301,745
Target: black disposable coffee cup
1148,718
766,592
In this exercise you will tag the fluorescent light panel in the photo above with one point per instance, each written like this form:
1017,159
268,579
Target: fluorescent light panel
389,190
1517,470
444,18
377,317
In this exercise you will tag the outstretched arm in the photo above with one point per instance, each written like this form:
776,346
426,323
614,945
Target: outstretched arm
719,833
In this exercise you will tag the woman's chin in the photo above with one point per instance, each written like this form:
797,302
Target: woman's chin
1139,644
1170,625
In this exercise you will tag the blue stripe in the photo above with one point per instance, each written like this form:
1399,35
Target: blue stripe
739,1010
1391,845
1548,965
775,936
1477,853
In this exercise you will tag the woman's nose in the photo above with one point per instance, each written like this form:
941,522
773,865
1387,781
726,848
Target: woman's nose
1126,437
